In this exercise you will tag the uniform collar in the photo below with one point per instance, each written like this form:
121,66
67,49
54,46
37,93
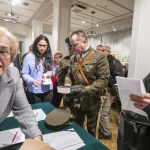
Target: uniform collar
86,52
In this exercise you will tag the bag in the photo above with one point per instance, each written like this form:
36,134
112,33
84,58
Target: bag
133,134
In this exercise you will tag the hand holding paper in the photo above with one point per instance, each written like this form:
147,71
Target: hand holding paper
140,102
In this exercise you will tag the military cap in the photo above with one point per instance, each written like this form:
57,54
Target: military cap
68,42
58,118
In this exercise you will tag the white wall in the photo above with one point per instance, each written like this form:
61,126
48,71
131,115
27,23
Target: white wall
139,65
22,32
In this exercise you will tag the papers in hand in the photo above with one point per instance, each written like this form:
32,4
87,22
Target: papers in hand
64,140
39,114
7,136
126,87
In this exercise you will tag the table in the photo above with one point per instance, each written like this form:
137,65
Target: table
89,140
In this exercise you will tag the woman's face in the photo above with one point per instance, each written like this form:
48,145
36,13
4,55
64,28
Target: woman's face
56,59
42,46
4,45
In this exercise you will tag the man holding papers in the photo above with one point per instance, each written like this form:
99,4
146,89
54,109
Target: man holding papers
134,127
90,69
12,96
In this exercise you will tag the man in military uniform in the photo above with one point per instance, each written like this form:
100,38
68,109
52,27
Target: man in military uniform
90,69
63,69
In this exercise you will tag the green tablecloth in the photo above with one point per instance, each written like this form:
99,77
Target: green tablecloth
89,140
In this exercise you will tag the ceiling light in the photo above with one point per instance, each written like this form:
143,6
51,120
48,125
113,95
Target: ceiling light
97,25
114,28
83,21
13,3
12,17
91,34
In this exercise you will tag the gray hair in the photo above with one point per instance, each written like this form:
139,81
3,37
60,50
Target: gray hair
107,48
80,34
13,40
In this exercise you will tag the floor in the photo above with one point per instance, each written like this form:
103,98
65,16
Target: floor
112,143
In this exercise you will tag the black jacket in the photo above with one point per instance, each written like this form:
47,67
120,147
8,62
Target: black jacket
146,82
115,70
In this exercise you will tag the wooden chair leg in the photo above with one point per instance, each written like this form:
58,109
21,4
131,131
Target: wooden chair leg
85,123
97,127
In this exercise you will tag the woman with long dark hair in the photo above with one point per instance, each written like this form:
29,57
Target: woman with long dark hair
35,66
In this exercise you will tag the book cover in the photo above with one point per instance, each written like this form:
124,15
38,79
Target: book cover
68,89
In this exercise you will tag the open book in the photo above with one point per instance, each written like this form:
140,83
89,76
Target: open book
126,87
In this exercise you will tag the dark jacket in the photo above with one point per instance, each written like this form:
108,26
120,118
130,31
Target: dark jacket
146,82
115,70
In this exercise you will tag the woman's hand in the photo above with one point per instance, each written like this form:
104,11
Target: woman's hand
49,74
38,138
140,102
36,83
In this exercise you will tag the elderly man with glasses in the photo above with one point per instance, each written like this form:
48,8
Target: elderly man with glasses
115,70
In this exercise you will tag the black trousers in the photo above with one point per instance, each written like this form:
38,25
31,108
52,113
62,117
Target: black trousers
38,98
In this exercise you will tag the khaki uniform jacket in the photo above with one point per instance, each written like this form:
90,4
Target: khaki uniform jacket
96,70
63,70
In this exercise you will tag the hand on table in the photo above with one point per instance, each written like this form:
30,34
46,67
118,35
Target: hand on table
36,83
39,137
140,102
49,74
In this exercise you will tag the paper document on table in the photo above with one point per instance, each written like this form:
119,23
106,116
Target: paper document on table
63,140
126,87
10,115
74,147
11,137
39,114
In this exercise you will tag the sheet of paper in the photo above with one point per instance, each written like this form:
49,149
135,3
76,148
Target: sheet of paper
63,139
74,147
10,115
39,114
7,136
126,87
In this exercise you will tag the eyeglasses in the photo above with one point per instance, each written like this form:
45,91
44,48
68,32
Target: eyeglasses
5,54
103,50
44,46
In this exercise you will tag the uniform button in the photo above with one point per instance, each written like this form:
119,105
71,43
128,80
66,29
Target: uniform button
80,78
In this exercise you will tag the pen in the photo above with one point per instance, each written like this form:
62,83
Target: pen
15,136
36,115
67,130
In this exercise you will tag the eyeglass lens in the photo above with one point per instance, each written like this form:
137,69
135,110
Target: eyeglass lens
4,54
42,45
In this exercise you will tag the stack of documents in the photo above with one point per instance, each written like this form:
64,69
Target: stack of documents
39,114
64,140
11,137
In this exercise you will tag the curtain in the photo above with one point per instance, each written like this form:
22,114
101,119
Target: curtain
118,42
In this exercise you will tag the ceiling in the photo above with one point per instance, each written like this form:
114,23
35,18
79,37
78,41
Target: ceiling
108,13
